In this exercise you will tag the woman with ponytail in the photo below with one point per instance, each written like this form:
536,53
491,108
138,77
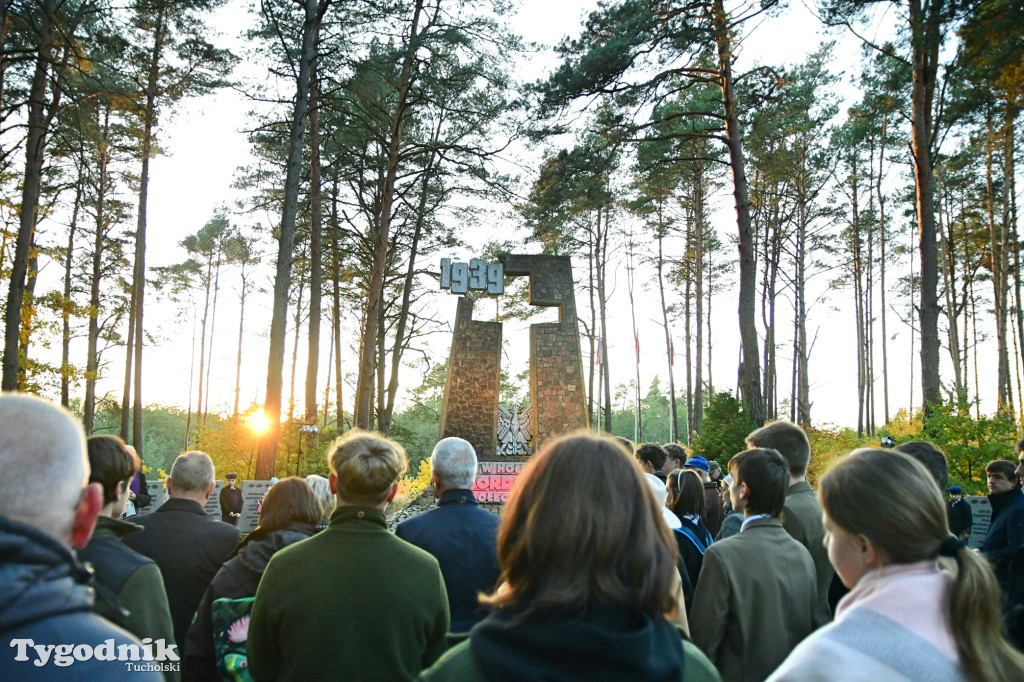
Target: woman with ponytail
921,606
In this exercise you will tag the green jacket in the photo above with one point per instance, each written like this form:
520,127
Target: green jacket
351,603
801,517
459,665
130,589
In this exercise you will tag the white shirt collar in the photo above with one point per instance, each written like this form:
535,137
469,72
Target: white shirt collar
755,517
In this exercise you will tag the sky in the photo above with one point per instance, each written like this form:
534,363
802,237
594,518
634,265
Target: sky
205,142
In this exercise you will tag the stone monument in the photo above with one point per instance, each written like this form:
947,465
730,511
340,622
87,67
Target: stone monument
470,406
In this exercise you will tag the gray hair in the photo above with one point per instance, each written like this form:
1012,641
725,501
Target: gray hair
192,472
44,462
322,487
454,462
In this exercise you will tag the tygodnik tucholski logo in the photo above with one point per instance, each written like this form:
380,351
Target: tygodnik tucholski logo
152,656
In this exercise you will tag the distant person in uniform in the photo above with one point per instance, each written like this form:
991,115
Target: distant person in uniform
958,511
230,501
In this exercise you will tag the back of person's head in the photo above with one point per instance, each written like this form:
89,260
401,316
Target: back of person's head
892,500
43,463
322,487
930,457
652,453
766,476
111,464
290,500
789,440
192,474
676,453
365,466
453,461
686,494
1005,468
582,528
1019,447
626,443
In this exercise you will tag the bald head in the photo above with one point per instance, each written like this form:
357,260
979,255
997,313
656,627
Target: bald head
44,462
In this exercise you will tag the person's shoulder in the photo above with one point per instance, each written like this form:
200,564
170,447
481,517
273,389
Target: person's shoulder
457,665
698,667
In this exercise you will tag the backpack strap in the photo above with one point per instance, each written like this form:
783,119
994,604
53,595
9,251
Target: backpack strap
692,537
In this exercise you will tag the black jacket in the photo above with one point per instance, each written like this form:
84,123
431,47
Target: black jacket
238,578
1005,535
960,517
230,501
691,558
189,547
45,596
464,540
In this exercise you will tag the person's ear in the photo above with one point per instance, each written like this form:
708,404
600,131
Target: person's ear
88,509
332,481
869,555
435,481
392,491
744,491
167,485
209,491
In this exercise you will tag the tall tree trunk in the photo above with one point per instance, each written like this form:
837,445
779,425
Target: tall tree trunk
202,339
265,459
139,274
750,371
673,435
698,221
1000,287
92,361
35,146
336,316
213,326
602,262
924,23
241,327
364,383
315,248
65,355
882,263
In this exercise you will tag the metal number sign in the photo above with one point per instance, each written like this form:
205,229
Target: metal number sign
477,275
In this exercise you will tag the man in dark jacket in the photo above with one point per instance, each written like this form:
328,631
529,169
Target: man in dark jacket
45,598
801,514
461,536
230,501
187,545
353,602
1005,535
129,587
959,513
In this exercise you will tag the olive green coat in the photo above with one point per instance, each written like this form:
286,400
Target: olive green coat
350,603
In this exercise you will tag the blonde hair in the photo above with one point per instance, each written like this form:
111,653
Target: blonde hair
893,501
366,464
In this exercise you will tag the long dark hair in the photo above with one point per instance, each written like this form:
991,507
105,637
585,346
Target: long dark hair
582,527
289,502
686,494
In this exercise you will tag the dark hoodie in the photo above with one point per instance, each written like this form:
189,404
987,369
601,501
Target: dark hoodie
602,644
237,579
45,596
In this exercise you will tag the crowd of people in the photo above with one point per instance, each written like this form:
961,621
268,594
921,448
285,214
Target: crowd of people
609,562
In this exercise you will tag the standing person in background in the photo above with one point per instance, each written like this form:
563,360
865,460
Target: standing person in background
714,507
685,497
757,597
186,543
906,618
801,515
138,491
715,474
230,501
322,487
733,519
459,534
652,459
212,649
129,589
961,519
1005,536
676,456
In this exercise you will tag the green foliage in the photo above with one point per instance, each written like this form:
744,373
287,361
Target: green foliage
724,429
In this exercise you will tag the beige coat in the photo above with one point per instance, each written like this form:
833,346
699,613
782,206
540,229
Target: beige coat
801,517
755,601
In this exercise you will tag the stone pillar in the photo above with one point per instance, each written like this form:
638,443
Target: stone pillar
557,397
469,409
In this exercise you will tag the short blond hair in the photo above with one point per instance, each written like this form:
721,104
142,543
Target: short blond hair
366,465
